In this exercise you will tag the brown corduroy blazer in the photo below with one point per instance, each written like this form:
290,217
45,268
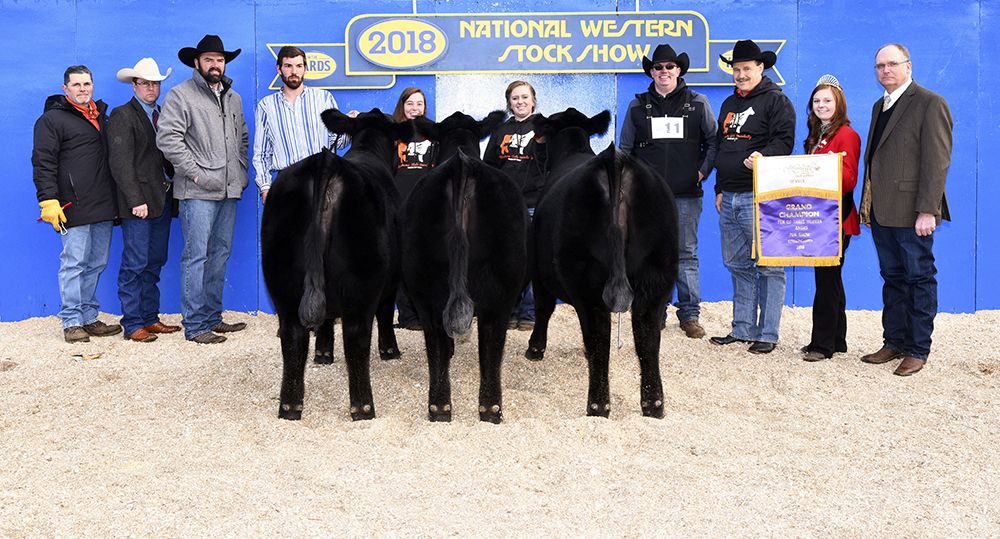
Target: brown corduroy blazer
905,171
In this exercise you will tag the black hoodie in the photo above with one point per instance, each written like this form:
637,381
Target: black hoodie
70,162
762,121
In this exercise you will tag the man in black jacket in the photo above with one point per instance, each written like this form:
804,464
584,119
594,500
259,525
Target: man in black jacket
144,201
757,120
77,197
672,129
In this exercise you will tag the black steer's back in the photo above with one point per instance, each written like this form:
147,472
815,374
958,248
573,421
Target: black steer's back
330,249
464,254
605,241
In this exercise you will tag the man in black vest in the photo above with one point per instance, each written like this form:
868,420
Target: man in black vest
672,129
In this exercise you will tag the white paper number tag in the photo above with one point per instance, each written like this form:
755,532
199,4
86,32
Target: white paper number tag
668,127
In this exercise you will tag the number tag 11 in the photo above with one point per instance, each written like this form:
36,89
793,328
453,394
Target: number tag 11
668,127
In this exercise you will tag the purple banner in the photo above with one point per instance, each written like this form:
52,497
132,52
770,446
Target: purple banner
799,226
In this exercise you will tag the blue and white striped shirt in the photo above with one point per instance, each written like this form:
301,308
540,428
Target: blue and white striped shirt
285,132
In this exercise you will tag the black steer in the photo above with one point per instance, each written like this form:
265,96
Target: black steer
329,249
464,254
605,235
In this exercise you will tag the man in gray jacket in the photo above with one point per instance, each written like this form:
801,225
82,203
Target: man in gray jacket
203,134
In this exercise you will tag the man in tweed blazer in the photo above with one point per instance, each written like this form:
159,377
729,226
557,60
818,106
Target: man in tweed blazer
903,201
144,201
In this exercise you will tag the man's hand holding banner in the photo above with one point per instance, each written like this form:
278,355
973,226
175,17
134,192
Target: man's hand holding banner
797,207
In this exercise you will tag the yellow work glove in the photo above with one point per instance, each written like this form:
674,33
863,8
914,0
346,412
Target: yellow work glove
52,213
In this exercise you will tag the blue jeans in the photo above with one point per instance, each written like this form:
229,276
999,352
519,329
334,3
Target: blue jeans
909,295
207,227
144,252
688,286
758,291
525,307
83,259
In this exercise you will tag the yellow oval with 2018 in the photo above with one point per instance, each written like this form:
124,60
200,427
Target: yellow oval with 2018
402,43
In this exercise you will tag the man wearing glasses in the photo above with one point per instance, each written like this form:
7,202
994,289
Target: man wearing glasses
672,129
70,168
903,201
144,184
757,120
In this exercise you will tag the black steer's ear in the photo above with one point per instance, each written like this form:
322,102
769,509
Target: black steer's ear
337,122
401,131
490,123
426,128
599,123
543,126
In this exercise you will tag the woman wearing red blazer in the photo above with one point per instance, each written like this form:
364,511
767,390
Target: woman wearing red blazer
829,131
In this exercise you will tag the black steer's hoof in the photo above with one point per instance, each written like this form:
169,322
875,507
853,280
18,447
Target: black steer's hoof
534,354
599,410
291,412
439,413
323,358
493,414
653,409
361,413
390,353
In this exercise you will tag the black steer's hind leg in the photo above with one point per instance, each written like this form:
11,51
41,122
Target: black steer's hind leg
324,343
492,336
545,304
646,332
294,349
596,327
387,346
357,352
440,348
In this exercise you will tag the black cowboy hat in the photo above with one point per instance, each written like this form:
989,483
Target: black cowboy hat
208,43
746,51
665,53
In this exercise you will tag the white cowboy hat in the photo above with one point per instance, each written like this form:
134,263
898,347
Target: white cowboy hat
145,69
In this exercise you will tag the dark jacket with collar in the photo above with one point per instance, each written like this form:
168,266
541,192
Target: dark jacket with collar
906,169
70,162
136,163
762,121
677,160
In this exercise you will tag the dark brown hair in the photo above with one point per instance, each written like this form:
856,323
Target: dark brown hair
289,51
839,120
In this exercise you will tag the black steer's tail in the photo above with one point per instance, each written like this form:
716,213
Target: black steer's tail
457,316
328,187
617,292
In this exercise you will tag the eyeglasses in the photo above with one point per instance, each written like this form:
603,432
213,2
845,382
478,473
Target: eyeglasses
890,65
661,67
148,84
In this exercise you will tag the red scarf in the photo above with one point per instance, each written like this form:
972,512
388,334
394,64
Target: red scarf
89,111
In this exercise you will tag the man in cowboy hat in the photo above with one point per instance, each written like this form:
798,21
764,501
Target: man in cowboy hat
672,129
287,123
144,201
903,201
70,169
203,133
757,120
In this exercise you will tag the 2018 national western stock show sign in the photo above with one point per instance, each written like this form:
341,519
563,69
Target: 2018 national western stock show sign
376,47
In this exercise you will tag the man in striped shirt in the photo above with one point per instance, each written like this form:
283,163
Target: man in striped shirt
287,124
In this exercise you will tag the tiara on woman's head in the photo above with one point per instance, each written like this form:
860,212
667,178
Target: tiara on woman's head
829,80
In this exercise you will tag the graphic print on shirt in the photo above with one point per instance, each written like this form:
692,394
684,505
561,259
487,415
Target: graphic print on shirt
513,145
414,154
735,122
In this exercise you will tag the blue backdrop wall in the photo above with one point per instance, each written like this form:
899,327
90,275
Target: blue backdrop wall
948,41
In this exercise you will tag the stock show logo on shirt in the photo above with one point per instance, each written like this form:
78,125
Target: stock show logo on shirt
414,154
734,124
514,144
